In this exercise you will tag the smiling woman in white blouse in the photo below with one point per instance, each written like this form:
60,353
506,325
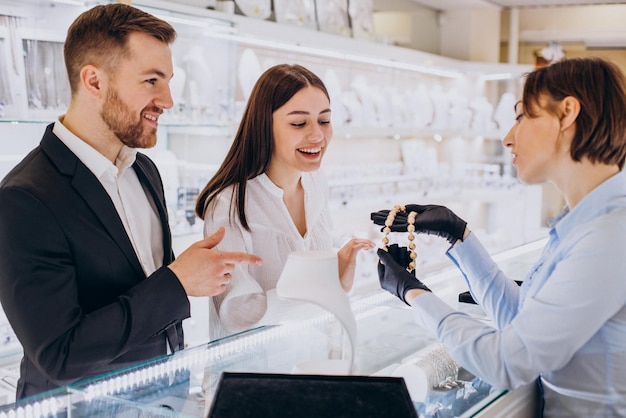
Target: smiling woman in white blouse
271,198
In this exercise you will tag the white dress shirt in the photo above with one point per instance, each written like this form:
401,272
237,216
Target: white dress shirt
140,219
250,299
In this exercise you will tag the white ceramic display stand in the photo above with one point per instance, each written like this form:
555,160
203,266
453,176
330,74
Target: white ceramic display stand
313,276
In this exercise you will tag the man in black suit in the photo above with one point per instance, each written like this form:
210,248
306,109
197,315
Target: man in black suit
88,278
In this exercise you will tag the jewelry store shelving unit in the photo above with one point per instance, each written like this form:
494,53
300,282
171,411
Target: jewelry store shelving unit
388,147
381,151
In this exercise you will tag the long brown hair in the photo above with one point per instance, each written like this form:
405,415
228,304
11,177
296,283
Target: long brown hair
600,87
252,148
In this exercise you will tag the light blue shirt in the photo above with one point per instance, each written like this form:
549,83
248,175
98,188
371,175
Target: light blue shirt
566,324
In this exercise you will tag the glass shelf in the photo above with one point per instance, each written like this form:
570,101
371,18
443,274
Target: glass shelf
407,132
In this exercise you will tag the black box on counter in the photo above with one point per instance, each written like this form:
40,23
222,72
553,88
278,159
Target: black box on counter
268,395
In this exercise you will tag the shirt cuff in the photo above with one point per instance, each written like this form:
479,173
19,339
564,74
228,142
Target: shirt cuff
429,311
471,257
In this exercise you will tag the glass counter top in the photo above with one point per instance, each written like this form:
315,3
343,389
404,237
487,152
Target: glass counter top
68,402
187,381
184,383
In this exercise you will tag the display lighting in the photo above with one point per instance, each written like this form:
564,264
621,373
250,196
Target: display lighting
406,66
497,76
300,49
184,21
71,2
264,43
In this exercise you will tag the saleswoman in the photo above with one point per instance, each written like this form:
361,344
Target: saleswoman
565,327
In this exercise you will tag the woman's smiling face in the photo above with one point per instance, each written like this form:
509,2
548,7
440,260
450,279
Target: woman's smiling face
302,130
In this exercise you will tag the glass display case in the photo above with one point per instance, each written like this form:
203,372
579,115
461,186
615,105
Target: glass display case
184,383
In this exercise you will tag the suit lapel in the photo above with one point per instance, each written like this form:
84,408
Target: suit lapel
151,181
91,191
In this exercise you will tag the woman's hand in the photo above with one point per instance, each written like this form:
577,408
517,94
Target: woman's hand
393,275
346,257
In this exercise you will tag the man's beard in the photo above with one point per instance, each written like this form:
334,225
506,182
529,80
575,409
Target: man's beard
119,119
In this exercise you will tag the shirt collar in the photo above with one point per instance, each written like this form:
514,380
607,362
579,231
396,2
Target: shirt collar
269,185
125,158
273,188
599,201
97,163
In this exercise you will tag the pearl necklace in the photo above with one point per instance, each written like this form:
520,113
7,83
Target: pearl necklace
410,229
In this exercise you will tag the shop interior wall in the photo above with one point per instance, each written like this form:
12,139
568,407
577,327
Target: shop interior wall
596,30
581,31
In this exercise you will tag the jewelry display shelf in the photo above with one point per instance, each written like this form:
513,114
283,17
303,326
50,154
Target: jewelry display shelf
412,132
210,56
210,46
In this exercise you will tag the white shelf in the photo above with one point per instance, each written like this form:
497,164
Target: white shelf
301,40
345,131
198,130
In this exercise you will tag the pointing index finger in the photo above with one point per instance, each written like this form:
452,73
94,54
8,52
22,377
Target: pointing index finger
239,258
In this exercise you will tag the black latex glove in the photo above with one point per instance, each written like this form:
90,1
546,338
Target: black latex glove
431,219
392,273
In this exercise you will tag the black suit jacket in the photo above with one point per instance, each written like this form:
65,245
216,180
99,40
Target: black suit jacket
71,284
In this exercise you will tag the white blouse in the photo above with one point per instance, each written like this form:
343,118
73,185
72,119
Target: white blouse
250,298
